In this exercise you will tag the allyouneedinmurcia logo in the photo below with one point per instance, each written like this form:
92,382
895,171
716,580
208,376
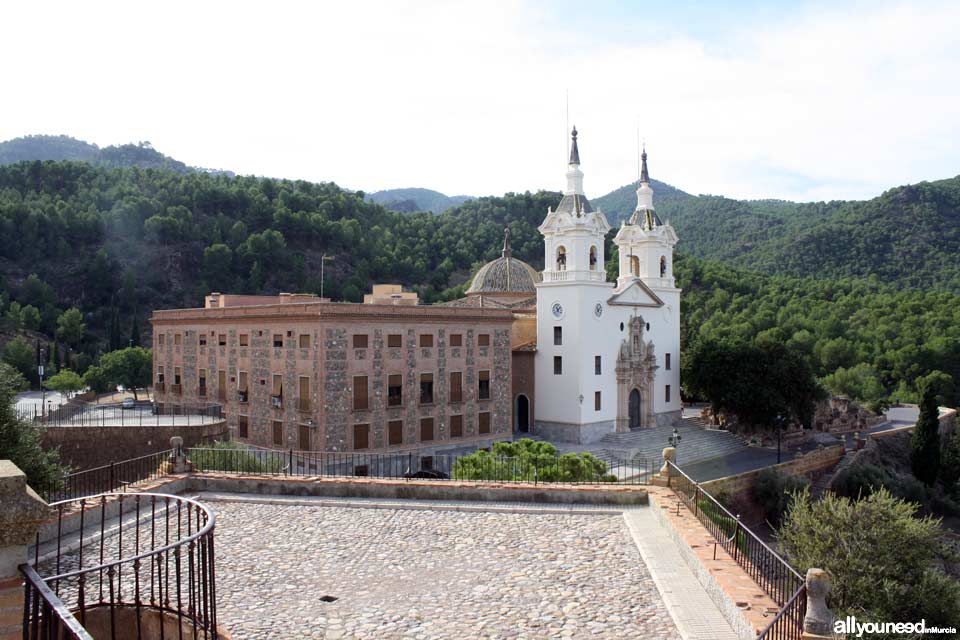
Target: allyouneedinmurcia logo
850,627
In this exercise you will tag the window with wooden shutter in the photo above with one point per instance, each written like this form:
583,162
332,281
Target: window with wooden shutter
483,421
304,340
244,339
222,339
456,386
243,429
359,341
277,432
456,426
278,385
360,399
484,388
456,339
278,341
394,340
426,429
395,390
395,432
361,436
426,340
202,383
483,340
303,400
596,401
426,388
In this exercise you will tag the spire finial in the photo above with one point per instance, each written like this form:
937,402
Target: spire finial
574,151
644,174
506,242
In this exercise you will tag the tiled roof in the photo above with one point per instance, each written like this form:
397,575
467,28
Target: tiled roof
505,275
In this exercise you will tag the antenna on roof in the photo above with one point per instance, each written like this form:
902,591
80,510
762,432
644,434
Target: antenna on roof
566,132
638,150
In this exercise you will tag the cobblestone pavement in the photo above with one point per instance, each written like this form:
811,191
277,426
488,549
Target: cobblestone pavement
430,575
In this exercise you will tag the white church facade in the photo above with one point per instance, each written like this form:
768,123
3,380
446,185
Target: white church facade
607,354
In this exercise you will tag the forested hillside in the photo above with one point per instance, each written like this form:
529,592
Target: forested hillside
909,235
118,243
408,200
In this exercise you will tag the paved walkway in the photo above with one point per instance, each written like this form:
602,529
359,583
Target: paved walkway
692,610
425,569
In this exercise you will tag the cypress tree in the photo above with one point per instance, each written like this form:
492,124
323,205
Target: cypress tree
54,358
950,463
135,330
925,454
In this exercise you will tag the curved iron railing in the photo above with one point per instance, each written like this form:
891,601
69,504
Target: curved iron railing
125,565
775,576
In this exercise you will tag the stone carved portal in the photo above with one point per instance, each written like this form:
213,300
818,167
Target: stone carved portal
636,366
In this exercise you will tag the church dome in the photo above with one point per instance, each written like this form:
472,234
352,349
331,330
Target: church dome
505,275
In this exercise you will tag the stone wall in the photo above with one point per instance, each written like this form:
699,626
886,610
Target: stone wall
813,462
840,415
88,447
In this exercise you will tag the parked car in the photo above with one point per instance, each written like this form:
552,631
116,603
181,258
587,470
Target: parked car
129,403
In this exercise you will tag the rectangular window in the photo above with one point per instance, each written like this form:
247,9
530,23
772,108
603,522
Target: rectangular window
176,375
361,436
160,375
177,339
667,362
360,398
596,401
456,339
242,382
202,339
558,336
483,422
304,340
426,388
557,365
666,393
278,341
202,383
483,340
243,428
456,386
394,340
303,401
277,385
244,339
359,341
456,426
160,339
395,390
426,429
395,432
277,433
222,385
426,340
222,339
304,439
596,365
484,388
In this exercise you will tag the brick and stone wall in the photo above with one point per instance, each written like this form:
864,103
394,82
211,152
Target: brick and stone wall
88,447
811,463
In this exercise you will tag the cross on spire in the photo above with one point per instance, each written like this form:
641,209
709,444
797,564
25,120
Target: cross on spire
506,242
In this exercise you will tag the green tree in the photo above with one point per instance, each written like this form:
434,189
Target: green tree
530,460
950,463
20,355
135,331
131,367
96,379
70,327
20,441
14,315
882,559
925,444
218,267
66,381
30,317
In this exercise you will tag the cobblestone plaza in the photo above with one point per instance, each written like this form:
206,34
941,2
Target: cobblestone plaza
411,573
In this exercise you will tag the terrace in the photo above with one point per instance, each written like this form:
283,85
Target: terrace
314,551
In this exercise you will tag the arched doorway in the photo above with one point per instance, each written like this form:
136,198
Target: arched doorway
635,409
523,413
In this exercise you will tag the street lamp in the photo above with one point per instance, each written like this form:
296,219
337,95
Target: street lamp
781,421
674,438
323,260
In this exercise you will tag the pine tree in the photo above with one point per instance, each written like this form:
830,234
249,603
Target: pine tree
925,456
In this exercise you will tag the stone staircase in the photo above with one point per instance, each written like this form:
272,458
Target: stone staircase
822,484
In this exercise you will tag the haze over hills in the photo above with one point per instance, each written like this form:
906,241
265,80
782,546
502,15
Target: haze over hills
416,199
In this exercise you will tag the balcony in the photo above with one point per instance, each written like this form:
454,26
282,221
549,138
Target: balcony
303,405
159,387
176,389
242,395
564,276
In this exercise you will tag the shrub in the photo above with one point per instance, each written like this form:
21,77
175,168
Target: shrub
530,460
229,456
774,490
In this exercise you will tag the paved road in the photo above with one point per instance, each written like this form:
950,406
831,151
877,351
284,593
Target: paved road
30,400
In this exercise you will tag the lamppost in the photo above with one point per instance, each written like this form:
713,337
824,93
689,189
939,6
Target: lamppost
674,438
323,260
781,422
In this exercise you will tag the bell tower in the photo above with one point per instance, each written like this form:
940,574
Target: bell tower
645,243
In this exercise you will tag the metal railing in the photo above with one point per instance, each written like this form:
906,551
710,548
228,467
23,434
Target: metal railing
120,564
764,565
112,477
469,468
114,415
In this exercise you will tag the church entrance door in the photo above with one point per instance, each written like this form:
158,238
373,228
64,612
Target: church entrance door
634,409
523,413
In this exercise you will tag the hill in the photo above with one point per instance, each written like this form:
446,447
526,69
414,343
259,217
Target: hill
142,154
909,235
414,199
620,203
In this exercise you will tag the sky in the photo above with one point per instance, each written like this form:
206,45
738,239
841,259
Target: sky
799,101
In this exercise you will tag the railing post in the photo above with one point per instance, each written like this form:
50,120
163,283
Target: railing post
290,463
736,540
112,478
22,514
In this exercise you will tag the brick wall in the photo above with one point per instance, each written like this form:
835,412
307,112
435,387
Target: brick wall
87,447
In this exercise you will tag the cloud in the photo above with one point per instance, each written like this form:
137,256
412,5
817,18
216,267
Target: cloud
469,97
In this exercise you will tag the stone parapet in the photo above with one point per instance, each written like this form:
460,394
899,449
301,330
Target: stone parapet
812,462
